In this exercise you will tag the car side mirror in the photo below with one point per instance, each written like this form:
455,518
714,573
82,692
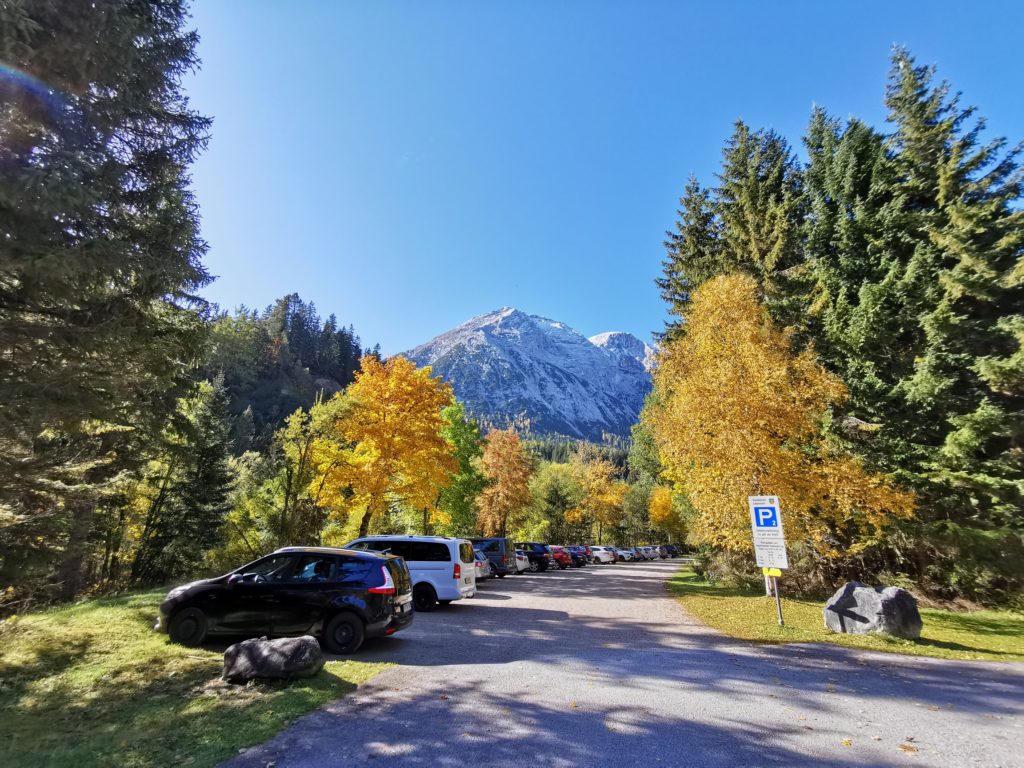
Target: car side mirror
235,578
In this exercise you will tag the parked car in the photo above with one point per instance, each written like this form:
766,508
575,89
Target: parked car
673,550
483,566
500,552
602,554
662,551
562,558
337,595
579,556
623,555
538,554
522,561
586,552
442,568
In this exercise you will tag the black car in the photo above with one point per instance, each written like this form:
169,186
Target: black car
673,551
338,595
538,554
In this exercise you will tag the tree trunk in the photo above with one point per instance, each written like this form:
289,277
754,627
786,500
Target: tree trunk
364,526
70,573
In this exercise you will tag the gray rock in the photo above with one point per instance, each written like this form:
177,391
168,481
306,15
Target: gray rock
856,608
285,658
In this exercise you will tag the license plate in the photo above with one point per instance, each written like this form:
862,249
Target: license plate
467,580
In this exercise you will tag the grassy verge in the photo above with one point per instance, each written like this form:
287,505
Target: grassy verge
93,685
993,635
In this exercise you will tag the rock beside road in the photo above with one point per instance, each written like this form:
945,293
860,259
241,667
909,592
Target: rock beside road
858,609
285,658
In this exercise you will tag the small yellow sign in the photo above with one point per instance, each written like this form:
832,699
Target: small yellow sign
771,571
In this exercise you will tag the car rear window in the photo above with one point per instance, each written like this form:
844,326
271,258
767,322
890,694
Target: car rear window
417,551
466,553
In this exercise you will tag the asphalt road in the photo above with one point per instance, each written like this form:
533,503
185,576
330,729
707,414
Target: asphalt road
599,667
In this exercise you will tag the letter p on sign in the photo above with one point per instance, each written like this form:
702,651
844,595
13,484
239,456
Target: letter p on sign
767,517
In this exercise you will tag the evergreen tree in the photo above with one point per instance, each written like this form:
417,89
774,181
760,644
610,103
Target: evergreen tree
758,200
190,499
694,253
101,256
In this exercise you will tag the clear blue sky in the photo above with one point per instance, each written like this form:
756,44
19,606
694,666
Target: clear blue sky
410,165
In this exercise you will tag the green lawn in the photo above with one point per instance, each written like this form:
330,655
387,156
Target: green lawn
93,685
993,635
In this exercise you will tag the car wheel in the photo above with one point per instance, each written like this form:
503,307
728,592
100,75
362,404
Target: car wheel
424,598
444,602
501,575
344,634
534,566
188,627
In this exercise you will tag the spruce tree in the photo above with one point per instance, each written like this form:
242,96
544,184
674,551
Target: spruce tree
101,256
694,253
100,253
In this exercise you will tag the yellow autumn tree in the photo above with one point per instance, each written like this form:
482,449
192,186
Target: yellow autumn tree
507,468
664,515
603,494
387,444
736,413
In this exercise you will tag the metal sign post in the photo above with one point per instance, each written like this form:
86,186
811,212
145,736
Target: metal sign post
769,541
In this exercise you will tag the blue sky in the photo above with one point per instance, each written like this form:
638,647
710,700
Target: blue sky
409,165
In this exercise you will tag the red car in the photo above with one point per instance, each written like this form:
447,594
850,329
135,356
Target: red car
562,558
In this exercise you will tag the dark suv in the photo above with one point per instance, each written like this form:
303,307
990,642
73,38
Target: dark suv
338,595
500,552
538,554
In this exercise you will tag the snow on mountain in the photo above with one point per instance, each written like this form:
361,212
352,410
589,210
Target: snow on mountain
508,365
622,344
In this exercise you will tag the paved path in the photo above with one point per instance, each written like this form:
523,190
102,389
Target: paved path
599,667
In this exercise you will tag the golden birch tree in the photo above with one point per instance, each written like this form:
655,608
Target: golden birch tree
603,494
737,413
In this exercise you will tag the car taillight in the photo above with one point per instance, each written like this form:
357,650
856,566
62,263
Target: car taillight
388,587
457,571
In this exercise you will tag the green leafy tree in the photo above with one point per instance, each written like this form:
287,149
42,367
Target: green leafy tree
458,499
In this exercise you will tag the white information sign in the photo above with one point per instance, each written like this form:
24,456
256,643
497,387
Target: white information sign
766,524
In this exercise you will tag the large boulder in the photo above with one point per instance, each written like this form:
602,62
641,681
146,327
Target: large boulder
857,608
285,658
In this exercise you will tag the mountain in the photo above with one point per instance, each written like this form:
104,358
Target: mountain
508,366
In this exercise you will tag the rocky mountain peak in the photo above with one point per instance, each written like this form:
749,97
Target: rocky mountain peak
511,366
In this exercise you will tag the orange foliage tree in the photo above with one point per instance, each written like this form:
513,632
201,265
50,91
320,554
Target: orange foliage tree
507,468
736,413
389,445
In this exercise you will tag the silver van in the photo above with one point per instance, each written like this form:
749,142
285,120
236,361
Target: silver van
443,569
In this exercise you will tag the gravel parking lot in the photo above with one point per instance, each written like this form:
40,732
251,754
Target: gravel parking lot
598,666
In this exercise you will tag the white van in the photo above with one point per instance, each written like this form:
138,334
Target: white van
442,569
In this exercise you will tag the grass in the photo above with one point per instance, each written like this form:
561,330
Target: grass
746,615
93,685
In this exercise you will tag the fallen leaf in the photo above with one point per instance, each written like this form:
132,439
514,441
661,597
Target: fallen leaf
908,748
574,705
846,743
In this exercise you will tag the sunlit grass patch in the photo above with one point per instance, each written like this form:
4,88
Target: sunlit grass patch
92,685
746,615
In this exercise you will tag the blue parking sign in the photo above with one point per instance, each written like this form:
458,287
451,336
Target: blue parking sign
766,517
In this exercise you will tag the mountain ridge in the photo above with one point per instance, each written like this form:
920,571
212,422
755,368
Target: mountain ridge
509,366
